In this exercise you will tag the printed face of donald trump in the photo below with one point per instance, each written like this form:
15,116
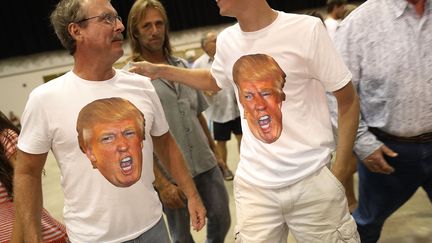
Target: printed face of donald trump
114,147
260,83
115,150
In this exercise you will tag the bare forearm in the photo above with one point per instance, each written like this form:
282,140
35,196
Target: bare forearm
348,119
171,157
28,207
197,78
160,180
28,196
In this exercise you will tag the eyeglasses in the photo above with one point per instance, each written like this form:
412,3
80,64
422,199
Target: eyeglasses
107,18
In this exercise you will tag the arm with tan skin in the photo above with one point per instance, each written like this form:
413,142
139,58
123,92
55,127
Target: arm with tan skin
17,233
169,153
348,119
28,196
196,78
170,194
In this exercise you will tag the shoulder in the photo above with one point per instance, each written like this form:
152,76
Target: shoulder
52,87
126,77
364,15
228,31
297,19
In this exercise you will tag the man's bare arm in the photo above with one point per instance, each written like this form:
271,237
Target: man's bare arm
196,78
169,153
28,195
169,193
348,119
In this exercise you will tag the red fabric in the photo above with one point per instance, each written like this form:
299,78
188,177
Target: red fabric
52,230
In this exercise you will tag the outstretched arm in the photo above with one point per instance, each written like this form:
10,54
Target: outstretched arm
168,152
28,195
196,78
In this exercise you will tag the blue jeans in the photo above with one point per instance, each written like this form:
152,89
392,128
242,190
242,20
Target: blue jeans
157,234
381,195
211,187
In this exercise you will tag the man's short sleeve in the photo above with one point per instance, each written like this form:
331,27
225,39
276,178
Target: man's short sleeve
35,136
324,62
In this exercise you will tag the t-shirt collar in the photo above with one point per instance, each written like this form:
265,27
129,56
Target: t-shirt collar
399,7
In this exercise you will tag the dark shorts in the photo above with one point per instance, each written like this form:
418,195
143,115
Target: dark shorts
222,131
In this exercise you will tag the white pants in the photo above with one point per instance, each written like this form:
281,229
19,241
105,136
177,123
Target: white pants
314,209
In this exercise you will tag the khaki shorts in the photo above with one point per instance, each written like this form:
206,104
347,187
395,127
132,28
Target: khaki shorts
314,210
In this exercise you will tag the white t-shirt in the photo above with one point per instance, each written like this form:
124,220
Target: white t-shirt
302,48
94,209
331,25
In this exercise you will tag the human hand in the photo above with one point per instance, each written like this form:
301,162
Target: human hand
144,68
347,170
172,197
375,162
197,212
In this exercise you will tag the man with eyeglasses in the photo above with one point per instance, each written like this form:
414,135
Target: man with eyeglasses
94,209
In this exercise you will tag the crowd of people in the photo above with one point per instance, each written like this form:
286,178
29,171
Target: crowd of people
310,100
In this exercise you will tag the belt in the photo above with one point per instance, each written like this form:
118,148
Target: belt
422,138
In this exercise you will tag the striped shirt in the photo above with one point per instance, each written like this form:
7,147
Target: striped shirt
52,230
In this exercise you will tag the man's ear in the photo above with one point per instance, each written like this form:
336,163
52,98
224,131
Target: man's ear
91,157
74,30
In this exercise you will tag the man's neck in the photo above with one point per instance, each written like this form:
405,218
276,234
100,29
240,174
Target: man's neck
256,17
154,57
91,69
333,16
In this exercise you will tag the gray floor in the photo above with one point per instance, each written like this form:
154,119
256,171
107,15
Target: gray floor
411,224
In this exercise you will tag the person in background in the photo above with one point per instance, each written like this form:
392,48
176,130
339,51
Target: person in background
223,112
14,119
335,12
316,14
94,209
348,9
183,106
52,230
387,45
285,186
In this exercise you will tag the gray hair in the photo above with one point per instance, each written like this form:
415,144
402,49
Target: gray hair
66,12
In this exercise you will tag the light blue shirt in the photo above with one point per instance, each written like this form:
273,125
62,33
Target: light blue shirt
388,49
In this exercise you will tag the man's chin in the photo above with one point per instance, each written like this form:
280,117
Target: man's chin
127,182
266,138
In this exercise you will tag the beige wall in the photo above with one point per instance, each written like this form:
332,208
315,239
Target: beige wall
20,75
